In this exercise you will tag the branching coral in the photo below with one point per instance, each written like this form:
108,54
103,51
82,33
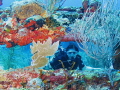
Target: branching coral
41,50
25,9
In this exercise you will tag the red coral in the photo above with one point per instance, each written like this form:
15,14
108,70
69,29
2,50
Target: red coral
32,22
19,76
14,38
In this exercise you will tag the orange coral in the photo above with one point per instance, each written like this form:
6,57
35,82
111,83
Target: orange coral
42,34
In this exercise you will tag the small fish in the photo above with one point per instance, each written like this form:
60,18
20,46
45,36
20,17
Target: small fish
1,2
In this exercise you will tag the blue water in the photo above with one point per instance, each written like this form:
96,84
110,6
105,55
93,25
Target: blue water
73,3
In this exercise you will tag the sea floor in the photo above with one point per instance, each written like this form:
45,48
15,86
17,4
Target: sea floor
61,79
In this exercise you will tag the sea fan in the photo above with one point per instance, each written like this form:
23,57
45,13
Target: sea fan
41,50
100,35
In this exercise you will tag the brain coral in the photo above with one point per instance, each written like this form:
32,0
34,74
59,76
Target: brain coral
25,9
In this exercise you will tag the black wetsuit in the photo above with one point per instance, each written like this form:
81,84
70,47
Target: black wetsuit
61,61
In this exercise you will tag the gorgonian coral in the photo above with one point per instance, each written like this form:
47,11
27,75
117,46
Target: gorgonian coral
41,50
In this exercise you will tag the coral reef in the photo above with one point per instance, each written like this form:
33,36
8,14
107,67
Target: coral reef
24,9
100,35
43,25
5,13
50,22
41,50
60,79
25,36
2,77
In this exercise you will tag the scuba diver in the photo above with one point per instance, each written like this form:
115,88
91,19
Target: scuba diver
68,59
